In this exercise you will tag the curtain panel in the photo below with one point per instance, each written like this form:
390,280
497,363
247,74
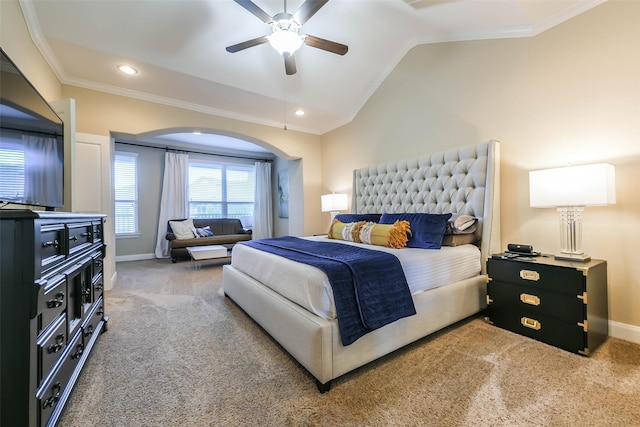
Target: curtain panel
263,205
174,203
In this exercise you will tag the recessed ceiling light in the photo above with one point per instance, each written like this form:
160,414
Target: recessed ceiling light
127,69
299,113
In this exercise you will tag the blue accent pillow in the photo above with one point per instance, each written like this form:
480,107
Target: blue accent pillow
204,232
347,218
427,230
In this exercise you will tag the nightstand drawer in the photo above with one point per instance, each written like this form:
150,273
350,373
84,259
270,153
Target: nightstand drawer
568,336
536,301
556,278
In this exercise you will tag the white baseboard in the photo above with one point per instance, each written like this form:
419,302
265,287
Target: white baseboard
136,257
624,331
114,279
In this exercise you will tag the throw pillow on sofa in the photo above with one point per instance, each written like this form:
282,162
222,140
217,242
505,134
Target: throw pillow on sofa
183,229
204,232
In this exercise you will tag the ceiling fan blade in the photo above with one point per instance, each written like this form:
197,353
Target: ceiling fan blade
255,9
245,45
327,45
307,10
290,65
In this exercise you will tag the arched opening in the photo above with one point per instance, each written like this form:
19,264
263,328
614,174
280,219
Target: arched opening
149,148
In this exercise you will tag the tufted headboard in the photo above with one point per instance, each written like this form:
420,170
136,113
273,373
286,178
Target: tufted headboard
461,180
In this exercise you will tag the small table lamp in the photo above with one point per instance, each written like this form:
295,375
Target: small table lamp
569,189
334,203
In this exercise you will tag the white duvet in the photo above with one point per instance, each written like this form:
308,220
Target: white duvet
309,287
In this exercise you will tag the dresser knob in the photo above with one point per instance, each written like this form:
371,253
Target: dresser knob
57,301
529,275
55,396
89,331
53,243
530,323
530,299
79,351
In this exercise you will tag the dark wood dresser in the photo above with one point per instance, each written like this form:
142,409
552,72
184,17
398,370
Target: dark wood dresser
51,309
561,303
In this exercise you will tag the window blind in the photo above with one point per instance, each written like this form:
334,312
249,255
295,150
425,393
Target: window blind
12,173
126,192
218,190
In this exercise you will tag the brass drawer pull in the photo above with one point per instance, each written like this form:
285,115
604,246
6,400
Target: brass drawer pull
529,275
530,299
530,323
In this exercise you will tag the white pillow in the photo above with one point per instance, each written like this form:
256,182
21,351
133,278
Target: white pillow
183,229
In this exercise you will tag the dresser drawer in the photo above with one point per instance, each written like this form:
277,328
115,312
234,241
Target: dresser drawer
97,231
550,330
50,346
92,324
51,246
559,279
49,395
98,286
97,263
80,236
52,300
536,301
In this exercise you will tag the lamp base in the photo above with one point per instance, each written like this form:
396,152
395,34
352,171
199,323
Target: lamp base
573,257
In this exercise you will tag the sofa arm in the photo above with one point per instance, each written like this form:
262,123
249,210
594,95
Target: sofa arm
170,236
248,231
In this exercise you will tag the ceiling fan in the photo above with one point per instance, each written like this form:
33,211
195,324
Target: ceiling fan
285,36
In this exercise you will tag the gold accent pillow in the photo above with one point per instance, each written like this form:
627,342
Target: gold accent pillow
389,235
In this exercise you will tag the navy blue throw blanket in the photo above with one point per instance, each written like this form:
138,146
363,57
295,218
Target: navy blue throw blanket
369,287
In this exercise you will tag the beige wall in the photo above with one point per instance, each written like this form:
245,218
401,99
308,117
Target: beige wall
16,42
569,95
101,114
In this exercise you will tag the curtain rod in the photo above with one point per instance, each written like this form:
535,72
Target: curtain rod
39,132
192,151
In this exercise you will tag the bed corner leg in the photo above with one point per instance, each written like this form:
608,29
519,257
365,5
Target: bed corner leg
323,388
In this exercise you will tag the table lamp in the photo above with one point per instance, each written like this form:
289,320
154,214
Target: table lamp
333,203
570,189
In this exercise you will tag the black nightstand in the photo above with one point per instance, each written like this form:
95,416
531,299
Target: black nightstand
561,303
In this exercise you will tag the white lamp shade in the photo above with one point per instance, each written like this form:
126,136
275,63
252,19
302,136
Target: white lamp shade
587,185
334,202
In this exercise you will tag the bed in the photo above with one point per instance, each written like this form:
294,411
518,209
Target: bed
463,180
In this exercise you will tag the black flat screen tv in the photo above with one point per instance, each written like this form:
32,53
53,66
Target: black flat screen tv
31,143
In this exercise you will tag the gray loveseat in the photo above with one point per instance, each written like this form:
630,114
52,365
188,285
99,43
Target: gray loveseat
226,232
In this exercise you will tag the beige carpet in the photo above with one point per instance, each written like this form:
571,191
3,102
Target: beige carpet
178,353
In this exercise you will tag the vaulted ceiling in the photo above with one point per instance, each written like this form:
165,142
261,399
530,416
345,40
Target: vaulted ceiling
178,48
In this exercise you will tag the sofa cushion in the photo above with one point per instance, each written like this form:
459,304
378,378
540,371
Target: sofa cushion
226,240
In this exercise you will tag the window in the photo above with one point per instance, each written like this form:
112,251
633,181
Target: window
12,172
126,192
220,190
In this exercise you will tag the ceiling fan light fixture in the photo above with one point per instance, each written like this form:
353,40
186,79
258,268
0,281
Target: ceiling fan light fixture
285,38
